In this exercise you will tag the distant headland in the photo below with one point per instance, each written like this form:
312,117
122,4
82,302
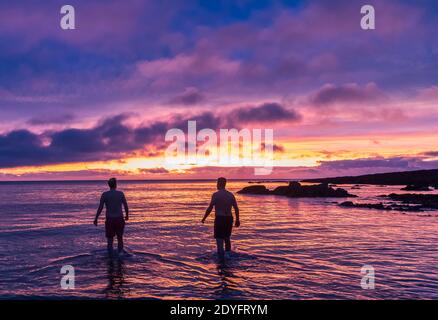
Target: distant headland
413,178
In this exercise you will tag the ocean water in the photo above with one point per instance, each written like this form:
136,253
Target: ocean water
284,249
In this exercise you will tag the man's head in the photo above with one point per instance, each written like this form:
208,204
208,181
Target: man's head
221,183
112,183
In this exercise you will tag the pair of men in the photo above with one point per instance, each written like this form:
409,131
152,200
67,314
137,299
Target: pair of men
222,201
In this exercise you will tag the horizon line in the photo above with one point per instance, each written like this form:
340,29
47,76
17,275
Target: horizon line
149,180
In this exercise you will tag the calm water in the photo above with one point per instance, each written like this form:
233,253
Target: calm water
285,248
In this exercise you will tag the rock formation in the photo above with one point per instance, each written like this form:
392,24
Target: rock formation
296,190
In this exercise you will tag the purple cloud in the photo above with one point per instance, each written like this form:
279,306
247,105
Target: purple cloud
352,94
378,164
430,154
154,171
51,119
112,138
266,113
190,96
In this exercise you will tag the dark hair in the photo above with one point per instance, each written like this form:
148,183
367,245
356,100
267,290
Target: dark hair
112,183
221,182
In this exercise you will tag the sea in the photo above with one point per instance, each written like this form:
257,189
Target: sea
285,248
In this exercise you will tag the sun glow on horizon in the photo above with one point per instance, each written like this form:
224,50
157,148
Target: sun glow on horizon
306,152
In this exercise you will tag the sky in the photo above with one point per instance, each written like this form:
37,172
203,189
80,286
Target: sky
97,101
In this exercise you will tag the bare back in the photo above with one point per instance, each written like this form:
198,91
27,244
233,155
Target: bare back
223,201
113,201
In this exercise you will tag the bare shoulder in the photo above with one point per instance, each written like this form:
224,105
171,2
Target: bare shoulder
121,193
230,193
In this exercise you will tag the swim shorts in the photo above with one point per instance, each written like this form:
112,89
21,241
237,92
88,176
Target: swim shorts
114,226
223,225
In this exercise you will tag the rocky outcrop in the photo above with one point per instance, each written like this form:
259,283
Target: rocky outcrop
351,204
426,201
417,187
316,191
381,206
285,190
296,190
255,190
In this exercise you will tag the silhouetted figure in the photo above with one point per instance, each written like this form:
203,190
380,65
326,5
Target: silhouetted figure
223,201
114,223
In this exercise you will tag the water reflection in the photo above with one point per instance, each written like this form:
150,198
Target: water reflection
116,271
228,281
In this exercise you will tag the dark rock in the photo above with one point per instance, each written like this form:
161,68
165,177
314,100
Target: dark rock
429,201
381,206
294,185
281,191
411,208
296,190
285,190
255,190
321,190
377,206
347,204
417,187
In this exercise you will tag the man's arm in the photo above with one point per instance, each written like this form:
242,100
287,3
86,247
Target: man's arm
125,205
99,210
236,211
209,209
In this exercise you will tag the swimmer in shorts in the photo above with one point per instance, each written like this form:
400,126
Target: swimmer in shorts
113,200
223,201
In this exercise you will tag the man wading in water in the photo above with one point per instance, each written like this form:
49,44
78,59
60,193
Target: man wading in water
222,201
114,223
